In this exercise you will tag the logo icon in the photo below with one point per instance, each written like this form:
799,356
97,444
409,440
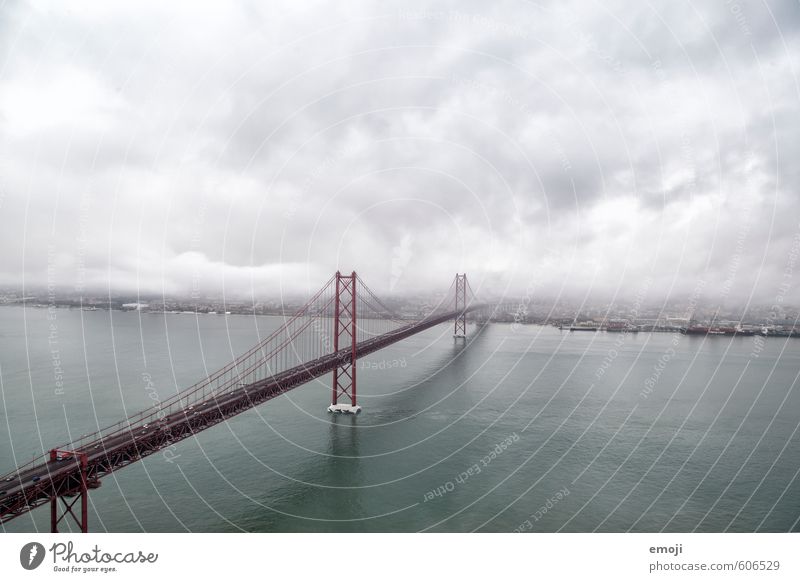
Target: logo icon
31,555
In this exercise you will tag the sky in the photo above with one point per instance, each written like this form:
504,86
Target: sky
618,149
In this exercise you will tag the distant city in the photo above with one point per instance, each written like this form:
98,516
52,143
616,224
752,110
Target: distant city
687,315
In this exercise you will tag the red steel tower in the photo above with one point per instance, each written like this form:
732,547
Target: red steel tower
460,327
344,339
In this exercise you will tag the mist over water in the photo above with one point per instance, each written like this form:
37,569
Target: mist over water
522,427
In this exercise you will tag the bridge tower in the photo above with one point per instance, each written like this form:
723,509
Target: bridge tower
344,339
460,326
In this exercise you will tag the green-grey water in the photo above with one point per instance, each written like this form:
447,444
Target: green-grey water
522,428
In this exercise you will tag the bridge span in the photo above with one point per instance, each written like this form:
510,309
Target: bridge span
341,323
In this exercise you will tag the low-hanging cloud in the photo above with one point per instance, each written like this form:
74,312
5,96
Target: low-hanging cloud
252,149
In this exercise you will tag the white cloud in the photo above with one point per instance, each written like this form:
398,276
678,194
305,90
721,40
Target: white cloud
264,146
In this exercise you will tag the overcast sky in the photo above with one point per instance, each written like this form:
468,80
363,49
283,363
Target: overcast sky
590,147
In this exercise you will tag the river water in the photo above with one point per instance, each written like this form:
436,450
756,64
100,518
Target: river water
521,428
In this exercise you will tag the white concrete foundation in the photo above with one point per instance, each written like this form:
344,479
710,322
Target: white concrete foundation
344,408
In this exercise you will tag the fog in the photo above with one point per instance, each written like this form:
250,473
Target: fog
555,148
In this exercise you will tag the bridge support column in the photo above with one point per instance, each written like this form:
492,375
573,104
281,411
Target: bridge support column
54,515
344,338
460,326
82,494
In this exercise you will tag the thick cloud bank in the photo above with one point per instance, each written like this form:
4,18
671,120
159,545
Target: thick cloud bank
258,147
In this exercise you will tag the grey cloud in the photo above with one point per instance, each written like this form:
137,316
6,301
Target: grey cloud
265,147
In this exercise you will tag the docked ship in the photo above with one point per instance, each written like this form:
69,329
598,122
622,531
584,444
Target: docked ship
691,329
694,329
579,327
620,327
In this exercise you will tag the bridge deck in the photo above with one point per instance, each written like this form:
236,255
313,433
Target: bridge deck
19,493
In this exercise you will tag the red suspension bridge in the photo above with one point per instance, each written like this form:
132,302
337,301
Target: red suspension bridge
342,322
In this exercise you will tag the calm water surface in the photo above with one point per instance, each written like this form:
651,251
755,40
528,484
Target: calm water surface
522,428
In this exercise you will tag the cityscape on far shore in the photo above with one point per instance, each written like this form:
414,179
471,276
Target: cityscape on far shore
691,316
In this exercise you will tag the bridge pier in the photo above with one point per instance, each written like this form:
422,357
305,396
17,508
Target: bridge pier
344,408
82,521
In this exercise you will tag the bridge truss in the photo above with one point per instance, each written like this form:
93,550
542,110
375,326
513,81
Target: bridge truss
345,320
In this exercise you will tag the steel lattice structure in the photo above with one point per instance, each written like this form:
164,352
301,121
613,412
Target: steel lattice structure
344,376
342,322
460,324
